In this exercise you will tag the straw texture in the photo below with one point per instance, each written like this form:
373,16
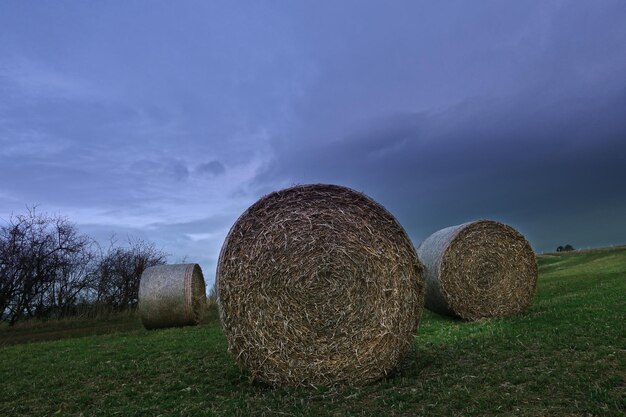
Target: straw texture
480,269
171,295
318,285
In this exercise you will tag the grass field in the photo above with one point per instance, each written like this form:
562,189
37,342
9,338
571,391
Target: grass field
565,357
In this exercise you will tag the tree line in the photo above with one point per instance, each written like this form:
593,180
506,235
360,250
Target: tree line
48,269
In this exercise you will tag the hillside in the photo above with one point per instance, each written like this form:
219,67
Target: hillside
565,357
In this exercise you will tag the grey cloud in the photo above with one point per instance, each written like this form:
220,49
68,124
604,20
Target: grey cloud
211,224
515,160
212,169
443,111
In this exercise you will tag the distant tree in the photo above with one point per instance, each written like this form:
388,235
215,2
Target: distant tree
48,269
37,253
74,281
119,272
566,248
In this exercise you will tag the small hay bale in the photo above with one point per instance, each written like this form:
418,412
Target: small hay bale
480,269
171,295
318,285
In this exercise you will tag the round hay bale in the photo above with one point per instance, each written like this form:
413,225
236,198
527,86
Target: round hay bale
480,269
318,285
171,295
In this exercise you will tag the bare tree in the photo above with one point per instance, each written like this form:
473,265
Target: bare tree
49,269
75,278
119,272
35,249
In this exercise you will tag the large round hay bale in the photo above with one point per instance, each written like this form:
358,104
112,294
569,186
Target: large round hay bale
318,285
171,295
480,269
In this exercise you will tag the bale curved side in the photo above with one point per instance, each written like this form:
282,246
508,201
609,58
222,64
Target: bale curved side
318,285
480,269
171,295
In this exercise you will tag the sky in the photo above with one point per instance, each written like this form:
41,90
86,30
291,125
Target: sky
166,120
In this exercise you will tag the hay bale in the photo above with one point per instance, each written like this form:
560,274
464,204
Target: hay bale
318,285
171,295
476,270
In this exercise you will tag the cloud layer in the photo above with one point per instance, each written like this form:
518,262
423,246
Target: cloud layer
166,121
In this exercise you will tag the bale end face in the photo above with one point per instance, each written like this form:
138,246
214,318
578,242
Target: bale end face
476,270
318,285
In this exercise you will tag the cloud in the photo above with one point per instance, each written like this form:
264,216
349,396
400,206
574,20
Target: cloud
29,143
196,237
29,80
211,169
511,159
441,111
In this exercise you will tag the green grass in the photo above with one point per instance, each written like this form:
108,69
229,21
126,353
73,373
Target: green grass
565,357
40,330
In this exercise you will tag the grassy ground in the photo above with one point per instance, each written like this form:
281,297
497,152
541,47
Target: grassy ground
565,357
38,330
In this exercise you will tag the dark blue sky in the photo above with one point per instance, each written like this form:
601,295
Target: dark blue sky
165,120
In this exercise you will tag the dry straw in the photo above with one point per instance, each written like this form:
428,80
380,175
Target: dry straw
480,269
318,285
171,295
